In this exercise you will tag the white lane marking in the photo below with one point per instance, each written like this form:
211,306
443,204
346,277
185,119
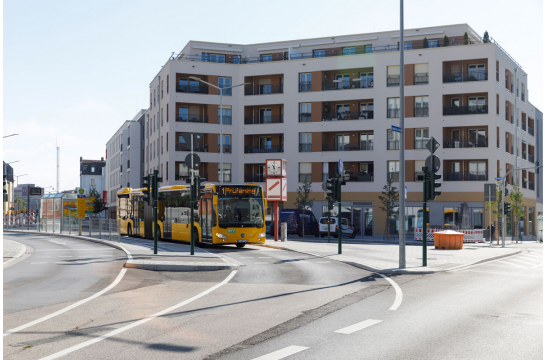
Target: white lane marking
34,263
17,256
531,258
246,257
399,294
260,263
508,263
65,256
282,353
92,249
56,242
524,262
264,257
357,327
139,322
47,317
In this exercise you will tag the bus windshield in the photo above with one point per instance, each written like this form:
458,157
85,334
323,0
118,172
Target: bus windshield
240,211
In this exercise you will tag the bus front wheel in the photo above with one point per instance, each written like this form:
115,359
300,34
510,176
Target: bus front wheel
196,239
240,245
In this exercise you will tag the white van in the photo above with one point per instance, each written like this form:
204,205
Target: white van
346,228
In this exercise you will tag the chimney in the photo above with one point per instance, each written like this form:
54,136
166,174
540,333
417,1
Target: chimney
102,159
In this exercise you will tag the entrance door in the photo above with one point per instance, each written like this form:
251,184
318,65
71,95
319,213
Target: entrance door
205,218
357,220
368,221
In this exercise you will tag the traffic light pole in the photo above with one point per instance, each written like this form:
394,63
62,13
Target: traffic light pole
425,221
191,201
328,220
339,225
155,192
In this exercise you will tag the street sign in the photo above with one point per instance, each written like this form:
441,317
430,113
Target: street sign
396,128
498,179
432,145
196,161
436,163
35,191
490,189
340,166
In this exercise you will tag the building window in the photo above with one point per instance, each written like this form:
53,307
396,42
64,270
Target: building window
225,82
366,111
421,137
368,49
226,172
265,143
305,112
421,106
93,168
367,79
305,172
266,58
305,82
393,107
93,182
226,143
342,142
226,115
305,142
393,170
319,53
265,116
393,140
366,141
393,76
349,50
476,72
433,43
215,58
421,74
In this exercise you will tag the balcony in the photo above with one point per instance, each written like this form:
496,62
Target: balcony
422,112
465,110
363,146
347,115
420,143
305,147
269,119
360,177
471,176
393,176
254,178
418,176
263,89
392,145
265,150
305,86
305,178
345,85
192,88
392,80
459,77
194,118
393,113
186,147
465,143
421,79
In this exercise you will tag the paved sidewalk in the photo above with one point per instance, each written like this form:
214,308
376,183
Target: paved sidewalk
13,250
384,258
170,256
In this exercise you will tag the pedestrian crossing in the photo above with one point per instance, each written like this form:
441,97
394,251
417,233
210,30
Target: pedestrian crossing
528,260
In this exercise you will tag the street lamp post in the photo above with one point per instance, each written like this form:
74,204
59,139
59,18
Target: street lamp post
18,176
221,89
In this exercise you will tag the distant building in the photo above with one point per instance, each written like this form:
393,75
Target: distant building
7,201
124,156
92,175
32,202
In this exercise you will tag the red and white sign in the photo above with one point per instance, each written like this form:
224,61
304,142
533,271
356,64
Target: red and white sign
105,197
277,189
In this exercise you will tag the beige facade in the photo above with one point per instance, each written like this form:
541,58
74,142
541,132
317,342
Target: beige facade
313,101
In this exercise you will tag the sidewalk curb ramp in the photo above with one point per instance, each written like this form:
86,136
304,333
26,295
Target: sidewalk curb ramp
397,271
146,264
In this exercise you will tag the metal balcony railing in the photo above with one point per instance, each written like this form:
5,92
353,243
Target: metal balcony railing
465,143
195,89
393,176
531,158
305,117
465,110
254,178
421,79
523,126
531,185
270,119
347,115
194,118
305,147
263,89
392,80
393,113
257,150
471,176
420,143
305,86
363,145
226,148
305,178
227,120
459,77
418,176
530,131
186,147
360,177
392,145
421,112
185,176
344,85
366,145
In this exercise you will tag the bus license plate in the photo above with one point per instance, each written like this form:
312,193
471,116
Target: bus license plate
231,231
242,241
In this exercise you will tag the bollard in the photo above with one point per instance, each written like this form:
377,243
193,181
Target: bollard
284,231
109,229
80,228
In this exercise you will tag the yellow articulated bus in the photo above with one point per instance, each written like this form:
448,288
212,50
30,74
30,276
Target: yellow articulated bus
224,214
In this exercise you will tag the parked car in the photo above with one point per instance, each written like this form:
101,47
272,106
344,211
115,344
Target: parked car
293,218
346,227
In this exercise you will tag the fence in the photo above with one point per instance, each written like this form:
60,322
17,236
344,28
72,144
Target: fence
107,229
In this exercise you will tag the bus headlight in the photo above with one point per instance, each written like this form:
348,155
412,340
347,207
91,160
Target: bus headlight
221,236
261,236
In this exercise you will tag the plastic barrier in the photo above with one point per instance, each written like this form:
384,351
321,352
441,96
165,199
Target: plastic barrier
470,236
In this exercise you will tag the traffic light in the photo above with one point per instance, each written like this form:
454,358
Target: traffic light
155,184
435,185
332,189
537,167
147,188
5,192
506,208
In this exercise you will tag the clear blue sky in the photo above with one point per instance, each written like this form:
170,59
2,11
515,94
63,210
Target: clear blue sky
75,70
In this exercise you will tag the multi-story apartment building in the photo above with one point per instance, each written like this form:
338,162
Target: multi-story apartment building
314,101
123,160
93,176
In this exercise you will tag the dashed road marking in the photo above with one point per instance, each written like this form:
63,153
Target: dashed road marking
265,257
357,327
65,256
260,263
282,353
56,242
524,262
508,263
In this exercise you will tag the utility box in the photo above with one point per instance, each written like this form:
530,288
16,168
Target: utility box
448,240
283,231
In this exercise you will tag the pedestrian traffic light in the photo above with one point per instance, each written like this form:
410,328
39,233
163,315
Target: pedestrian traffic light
506,208
147,190
332,189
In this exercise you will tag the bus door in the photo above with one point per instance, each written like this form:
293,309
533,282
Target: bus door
167,222
205,217
139,218
148,221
